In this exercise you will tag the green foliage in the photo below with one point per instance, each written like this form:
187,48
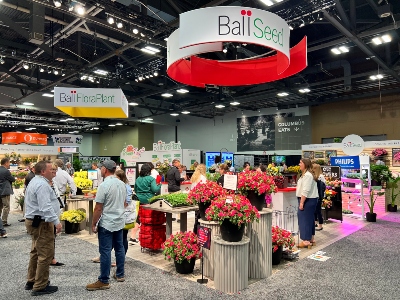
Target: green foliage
392,185
320,162
213,176
337,140
355,175
372,199
20,200
175,199
77,165
380,173
346,211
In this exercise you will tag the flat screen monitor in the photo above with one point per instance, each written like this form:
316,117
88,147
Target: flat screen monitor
227,156
278,159
210,158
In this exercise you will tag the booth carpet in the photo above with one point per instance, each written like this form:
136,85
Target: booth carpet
363,265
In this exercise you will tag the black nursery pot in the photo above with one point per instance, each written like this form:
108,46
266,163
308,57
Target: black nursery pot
370,217
392,208
186,267
202,209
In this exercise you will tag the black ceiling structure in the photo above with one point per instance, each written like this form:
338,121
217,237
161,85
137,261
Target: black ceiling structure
45,43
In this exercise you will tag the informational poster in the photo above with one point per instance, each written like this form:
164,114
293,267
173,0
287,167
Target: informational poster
204,235
319,154
308,154
230,182
92,174
210,158
330,153
189,156
396,157
131,175
227,156
331,172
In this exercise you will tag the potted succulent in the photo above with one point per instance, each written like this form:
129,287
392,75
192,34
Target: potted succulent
280,238
255,185
392,185
184,249
72,219
203,194
373,195
233,212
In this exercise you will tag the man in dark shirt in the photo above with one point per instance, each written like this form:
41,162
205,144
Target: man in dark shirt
30,175
174,177
6,190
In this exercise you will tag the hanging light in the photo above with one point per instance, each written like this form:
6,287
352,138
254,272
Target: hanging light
135,31
1,60
110,20
25,66
55,71
155,73
41,69
120,25
57,3
80,10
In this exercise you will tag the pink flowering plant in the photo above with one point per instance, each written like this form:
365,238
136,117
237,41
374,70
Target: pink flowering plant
205,192
256,181
379,152
396,156
181,246
281,237
235,208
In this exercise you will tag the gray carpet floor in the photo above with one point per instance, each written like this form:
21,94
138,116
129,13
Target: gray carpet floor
364,265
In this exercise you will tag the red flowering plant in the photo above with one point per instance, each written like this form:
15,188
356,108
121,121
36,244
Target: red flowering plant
235,208
205,192
379,152
181,246
256,181
281,237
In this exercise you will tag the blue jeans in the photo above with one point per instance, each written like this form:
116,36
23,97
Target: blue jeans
108,239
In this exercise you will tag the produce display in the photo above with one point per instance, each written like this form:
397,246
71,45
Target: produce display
175,199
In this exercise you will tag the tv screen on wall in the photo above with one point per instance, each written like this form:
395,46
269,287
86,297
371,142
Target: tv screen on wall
278,159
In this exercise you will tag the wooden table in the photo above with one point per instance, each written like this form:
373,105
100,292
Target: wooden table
90,209
183,210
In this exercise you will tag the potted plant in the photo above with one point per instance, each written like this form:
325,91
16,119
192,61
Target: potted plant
233,213
392,185
72,219
203,194
163,167
184,249
18,183
20,200
255,185
373,195
280,238
337,140
379,174
379,152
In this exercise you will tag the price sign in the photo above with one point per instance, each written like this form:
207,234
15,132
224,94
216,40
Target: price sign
331,172
204,235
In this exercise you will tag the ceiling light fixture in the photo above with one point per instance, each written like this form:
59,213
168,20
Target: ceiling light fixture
55,72
185,112
167,95
148,119
70,119
111,125
306,90
48,95
219,106
118,124
234,103
182,91
57,3
95,128
283,94
375,77
120,25
270,2
150,50
100,72
155,73
174,114
80,10
340,50
133,104
225,50
1,60
6,112
382,39
135,31
110,20
28,103
25,66
41,69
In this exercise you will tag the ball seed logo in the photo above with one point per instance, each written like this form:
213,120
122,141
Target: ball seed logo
73,97
245,27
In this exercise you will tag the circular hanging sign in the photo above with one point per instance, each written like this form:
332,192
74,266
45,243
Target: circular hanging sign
353,144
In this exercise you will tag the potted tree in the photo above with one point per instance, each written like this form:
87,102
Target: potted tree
392,185
373,195
184,249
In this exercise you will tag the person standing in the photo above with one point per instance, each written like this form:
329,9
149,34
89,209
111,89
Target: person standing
28,179
108,222
70,170
62,179
223,169
6,190
321,186
99,180
41,216
174,178
307,196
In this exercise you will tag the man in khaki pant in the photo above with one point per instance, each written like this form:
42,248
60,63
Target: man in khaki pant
6,180
41,216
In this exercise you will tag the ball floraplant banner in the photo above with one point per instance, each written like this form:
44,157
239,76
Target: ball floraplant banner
205,30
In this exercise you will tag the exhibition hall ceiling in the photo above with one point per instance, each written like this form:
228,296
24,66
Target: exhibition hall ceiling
353,53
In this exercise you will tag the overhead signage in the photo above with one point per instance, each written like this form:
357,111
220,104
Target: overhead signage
91,103
23,138
67,139
389,143
171,146
353,144
68,150
330,146
331,172
232,24
28,149
346,162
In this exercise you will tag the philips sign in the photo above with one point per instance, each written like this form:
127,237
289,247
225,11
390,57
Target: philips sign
346,162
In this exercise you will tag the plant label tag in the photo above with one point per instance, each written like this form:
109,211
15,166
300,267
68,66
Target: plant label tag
228,200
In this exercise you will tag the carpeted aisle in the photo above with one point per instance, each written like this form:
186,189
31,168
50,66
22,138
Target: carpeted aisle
364,265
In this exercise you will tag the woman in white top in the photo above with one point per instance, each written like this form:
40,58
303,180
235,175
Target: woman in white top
307,195
198,176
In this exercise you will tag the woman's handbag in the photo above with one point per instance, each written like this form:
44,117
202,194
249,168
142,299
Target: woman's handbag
131,213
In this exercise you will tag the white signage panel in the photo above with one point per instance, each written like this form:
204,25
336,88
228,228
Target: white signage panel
353,145
26,149
67,139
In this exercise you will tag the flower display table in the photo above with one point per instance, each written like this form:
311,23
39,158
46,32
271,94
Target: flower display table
85,203
231,265
260,254
208,255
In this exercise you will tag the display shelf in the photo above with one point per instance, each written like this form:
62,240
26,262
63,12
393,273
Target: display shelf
350,180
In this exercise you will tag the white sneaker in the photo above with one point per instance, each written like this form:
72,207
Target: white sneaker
133,241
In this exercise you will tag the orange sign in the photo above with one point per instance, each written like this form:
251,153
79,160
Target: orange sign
24,138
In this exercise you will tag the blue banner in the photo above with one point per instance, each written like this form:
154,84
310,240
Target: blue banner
346,162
